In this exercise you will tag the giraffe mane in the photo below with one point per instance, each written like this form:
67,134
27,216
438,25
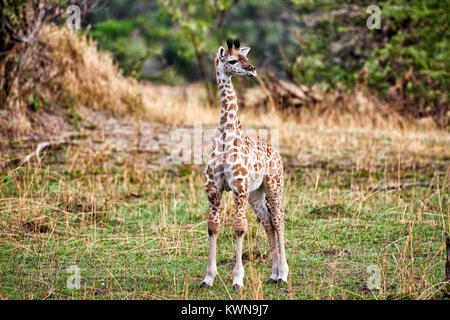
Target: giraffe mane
230,44
237,43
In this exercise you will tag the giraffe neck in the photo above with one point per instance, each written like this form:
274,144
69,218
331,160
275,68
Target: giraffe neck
229,118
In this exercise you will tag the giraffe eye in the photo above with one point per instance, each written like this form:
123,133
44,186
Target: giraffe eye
232,61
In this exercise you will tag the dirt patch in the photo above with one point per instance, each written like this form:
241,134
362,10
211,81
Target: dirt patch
99,292
257,255
329,211
147,144
132,196
37,226
364,289
336,252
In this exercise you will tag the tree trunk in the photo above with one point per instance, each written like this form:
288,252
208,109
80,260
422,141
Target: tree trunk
203,74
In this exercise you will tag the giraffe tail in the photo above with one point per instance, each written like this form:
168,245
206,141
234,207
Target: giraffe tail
269,209
268,206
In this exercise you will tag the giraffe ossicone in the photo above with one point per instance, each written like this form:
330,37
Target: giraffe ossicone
250,168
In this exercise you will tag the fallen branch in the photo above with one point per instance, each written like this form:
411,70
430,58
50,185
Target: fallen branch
140,150
36,153
267,92
11,163
44,146
400,186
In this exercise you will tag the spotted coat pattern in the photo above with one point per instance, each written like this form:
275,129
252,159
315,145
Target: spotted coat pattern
251,169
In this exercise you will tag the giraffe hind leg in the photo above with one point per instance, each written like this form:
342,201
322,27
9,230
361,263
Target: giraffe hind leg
274,193
259,204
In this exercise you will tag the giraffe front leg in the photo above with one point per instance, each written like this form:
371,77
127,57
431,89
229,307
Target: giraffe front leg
211,271
213,230
240,227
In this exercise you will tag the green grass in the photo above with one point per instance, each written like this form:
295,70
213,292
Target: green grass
140,234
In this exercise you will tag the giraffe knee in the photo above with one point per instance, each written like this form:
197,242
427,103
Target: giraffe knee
277,219
240,226
268,226
278,224
213,229
213,225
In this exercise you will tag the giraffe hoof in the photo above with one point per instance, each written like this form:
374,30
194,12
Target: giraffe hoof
203,285
272,281
281,281
237,287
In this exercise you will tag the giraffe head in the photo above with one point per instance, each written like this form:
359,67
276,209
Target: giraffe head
234,60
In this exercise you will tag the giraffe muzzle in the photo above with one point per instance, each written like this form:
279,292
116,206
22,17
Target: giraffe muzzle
251,71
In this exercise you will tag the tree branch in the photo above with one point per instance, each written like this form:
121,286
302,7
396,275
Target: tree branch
400,186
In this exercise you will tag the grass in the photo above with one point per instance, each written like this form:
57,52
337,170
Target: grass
139,234
136,226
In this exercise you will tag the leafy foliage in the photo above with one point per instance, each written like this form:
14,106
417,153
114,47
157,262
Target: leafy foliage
406,60
324,42
144,46
417,48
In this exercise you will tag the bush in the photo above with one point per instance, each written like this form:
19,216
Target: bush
406,61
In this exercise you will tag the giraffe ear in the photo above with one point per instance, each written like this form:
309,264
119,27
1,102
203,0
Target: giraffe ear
245,50
221,52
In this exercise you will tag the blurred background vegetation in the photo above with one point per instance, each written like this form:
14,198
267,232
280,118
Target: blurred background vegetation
324,43
90,155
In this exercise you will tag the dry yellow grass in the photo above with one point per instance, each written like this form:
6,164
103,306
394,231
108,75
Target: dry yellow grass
78,209
90,75
310,135
160,215
359,125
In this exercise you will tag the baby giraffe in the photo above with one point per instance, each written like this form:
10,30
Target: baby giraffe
250,168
